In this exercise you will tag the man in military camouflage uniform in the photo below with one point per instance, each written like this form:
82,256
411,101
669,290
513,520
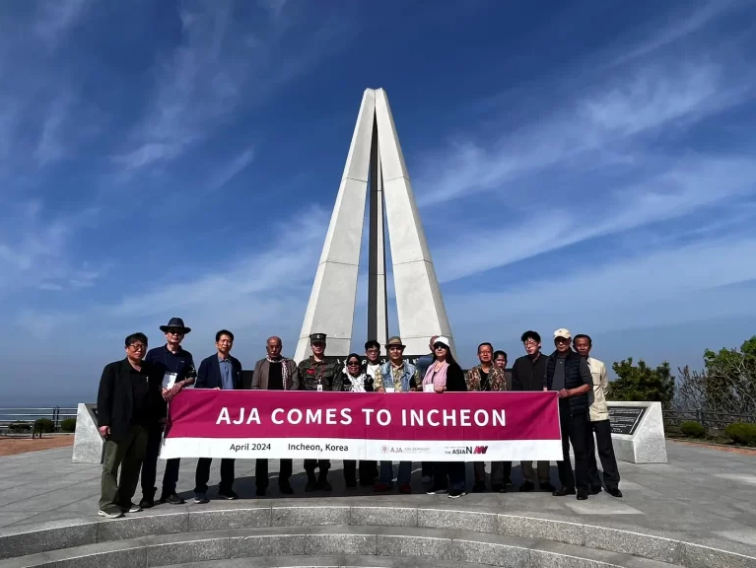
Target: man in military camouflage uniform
317,374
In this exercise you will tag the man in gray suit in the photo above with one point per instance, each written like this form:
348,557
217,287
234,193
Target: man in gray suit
274,373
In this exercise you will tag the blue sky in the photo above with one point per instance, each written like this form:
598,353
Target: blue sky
584,165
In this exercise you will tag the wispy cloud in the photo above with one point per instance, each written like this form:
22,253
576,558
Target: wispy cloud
42,324
229,171
670,284
199,84
8,118
682,26
35,246
652,98
282,267
689,185
608,161
56,17
275,7
51,146
220,66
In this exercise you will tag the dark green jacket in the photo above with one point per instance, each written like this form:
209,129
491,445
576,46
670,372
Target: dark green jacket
312,373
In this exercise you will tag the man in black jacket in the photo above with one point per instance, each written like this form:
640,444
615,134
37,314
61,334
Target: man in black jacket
568,374
129,403
178,369
220,371
527,375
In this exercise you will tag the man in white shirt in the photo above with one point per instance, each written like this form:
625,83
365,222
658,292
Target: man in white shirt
372,370
373,363
599,424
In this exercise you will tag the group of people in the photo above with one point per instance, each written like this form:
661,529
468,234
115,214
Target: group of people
134,393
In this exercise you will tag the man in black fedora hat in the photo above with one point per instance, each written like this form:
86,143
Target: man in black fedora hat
178,369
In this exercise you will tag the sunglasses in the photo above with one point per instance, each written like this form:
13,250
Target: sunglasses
353,364
176,331
439,346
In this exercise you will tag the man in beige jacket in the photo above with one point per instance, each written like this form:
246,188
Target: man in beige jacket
599,424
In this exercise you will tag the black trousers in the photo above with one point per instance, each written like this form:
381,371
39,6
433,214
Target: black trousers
501,472
203,474
285,469
427,469
603,431
367,471
575,429
323,465
149,467
454,472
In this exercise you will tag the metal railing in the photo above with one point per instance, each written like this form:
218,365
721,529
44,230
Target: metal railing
706,418
28,416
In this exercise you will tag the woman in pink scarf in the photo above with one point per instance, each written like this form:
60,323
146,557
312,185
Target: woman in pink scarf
443,375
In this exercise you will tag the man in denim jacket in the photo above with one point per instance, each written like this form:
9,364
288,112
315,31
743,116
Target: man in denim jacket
396,375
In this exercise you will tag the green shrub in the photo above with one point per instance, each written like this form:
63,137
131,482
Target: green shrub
693,429
68,425
19,427
742,433
44,425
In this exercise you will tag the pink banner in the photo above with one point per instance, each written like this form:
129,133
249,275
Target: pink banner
329,425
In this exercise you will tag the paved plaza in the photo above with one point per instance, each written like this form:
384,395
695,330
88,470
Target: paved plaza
702,495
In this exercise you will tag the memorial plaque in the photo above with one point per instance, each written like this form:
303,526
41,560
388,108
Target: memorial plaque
625,419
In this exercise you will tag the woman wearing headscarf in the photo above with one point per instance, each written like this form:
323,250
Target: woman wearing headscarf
353,378
445,375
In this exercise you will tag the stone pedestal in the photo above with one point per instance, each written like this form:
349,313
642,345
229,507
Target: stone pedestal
88,444
638,432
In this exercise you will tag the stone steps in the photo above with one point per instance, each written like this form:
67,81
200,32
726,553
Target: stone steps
429,545
370,531
340,561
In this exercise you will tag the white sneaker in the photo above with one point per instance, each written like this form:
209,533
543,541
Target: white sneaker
135,508
110,515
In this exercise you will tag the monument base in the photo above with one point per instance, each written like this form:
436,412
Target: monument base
638,431
88,444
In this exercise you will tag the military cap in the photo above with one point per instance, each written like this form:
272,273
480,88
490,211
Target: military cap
317,337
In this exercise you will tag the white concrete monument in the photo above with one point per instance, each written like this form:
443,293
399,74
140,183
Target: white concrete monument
638,431
375,156
88,444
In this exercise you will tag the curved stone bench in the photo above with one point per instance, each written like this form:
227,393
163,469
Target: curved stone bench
192,524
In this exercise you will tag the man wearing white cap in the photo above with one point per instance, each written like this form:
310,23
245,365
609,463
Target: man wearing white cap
568,374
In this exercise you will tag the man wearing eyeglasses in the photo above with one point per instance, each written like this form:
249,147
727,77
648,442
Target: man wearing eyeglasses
179,372
129,404
527,375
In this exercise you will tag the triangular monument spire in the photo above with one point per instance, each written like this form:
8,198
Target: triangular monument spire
375,156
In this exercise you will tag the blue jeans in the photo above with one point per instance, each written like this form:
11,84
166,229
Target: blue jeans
387,473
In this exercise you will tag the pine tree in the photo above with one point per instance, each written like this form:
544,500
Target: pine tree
641,382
